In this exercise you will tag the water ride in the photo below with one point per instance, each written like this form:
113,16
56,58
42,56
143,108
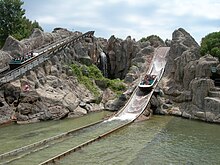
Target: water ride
148,82
21,59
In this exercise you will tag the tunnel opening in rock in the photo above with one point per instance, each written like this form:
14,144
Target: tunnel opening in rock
216,78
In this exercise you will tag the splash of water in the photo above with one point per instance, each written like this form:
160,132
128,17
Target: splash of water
125,116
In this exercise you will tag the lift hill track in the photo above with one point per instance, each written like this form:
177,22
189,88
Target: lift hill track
43,55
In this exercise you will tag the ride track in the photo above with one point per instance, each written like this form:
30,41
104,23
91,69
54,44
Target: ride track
128,114
43,54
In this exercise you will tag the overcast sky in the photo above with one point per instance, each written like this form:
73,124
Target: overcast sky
137,18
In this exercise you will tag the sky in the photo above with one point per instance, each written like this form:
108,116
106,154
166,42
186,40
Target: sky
122,18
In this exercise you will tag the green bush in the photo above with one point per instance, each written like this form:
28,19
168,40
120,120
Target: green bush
115,85
94,72
211,44
76,70
87,74
87,81
151,38
89,85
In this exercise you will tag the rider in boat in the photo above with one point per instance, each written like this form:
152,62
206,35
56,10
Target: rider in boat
148,80
151,79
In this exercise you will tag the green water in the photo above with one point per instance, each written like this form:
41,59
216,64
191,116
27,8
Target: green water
162,140
159,141
74,140
15,136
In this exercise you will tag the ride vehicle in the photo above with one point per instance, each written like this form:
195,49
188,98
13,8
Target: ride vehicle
148,82
20,60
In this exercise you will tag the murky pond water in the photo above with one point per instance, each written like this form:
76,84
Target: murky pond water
14,136
161,140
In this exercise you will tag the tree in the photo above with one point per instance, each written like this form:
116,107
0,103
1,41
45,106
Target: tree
11,16
211,44
13,22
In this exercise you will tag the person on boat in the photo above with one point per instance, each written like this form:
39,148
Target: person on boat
151,79
146,79
32,53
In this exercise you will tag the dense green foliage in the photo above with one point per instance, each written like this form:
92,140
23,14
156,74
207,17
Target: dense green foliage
151,38
87,74
211,44
13,22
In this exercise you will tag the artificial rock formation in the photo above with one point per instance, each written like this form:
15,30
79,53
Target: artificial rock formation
120,54
54,91
4,60
187,81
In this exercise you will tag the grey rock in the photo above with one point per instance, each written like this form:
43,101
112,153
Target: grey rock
185,96
96,107
175,111
210,117
57,112
200,89
80,111
187,78
54,71
181,42
200,115
70,101
4,61
166,106
212,104
203,68
120,54
186,115
82,104
116,104
160,111
13,46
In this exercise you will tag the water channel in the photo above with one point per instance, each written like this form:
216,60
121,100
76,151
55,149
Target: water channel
161,140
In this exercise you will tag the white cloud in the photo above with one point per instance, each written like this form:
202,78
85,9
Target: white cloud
137,18
199,8
47,20
131,2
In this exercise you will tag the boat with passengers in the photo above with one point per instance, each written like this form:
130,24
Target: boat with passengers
148,82
21,59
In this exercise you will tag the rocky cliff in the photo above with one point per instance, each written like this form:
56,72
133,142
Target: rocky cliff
54,91
188,89
187,82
